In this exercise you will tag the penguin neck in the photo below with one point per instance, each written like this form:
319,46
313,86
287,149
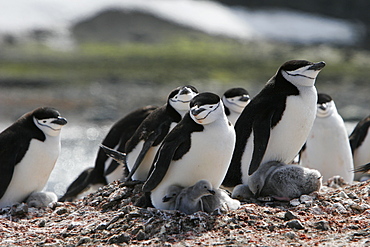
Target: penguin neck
227,111
279,82
176,116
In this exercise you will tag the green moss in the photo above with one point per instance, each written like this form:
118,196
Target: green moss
182,59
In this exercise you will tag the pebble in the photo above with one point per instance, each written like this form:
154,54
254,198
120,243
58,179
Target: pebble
289,215
295,224
61,211
322,225
118,239
291,235
295,202
83,240
339,207
343,194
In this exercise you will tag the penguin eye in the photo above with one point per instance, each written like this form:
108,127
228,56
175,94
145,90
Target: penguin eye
211,106
44,121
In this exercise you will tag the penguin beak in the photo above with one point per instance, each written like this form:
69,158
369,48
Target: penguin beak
60,121
184,91
166,198
323,106
244,98
195,112
317,66
212,192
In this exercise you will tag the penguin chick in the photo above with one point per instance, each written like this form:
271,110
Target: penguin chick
219,201
242,192
282,181
41,199
171,196
189,200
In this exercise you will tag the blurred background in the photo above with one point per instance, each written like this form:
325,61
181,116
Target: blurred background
95,61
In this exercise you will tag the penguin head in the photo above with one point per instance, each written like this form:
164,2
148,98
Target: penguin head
172,192
205,108
325,106
236,99
203,188
180,97
301,72
48,120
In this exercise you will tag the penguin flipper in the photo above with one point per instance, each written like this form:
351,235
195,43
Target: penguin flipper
261,132
364,168
7,169
160,166
119,157
147,145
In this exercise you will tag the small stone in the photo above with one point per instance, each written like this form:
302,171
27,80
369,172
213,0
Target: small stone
117,239
83,240
42,223
295,224
316,210
291,235
343,194
306,199
289,216
19,209
61,211
295,202
141,235
339,207
322,225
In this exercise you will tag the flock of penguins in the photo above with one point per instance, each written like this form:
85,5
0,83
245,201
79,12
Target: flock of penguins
200,151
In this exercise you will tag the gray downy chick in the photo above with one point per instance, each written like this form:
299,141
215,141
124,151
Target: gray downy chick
242,192
171,195
189,200
41,199
219,201
284,182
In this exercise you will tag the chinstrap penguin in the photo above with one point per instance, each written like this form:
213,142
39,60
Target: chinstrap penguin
360,146
284,182
143,145
189,200
327,148
277,121
107,170
29,149
198,148
235,100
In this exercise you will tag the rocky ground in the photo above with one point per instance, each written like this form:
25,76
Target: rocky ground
338,216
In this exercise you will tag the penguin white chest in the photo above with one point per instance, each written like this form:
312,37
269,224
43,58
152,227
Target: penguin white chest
291,132
33,172
208,158
328,150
